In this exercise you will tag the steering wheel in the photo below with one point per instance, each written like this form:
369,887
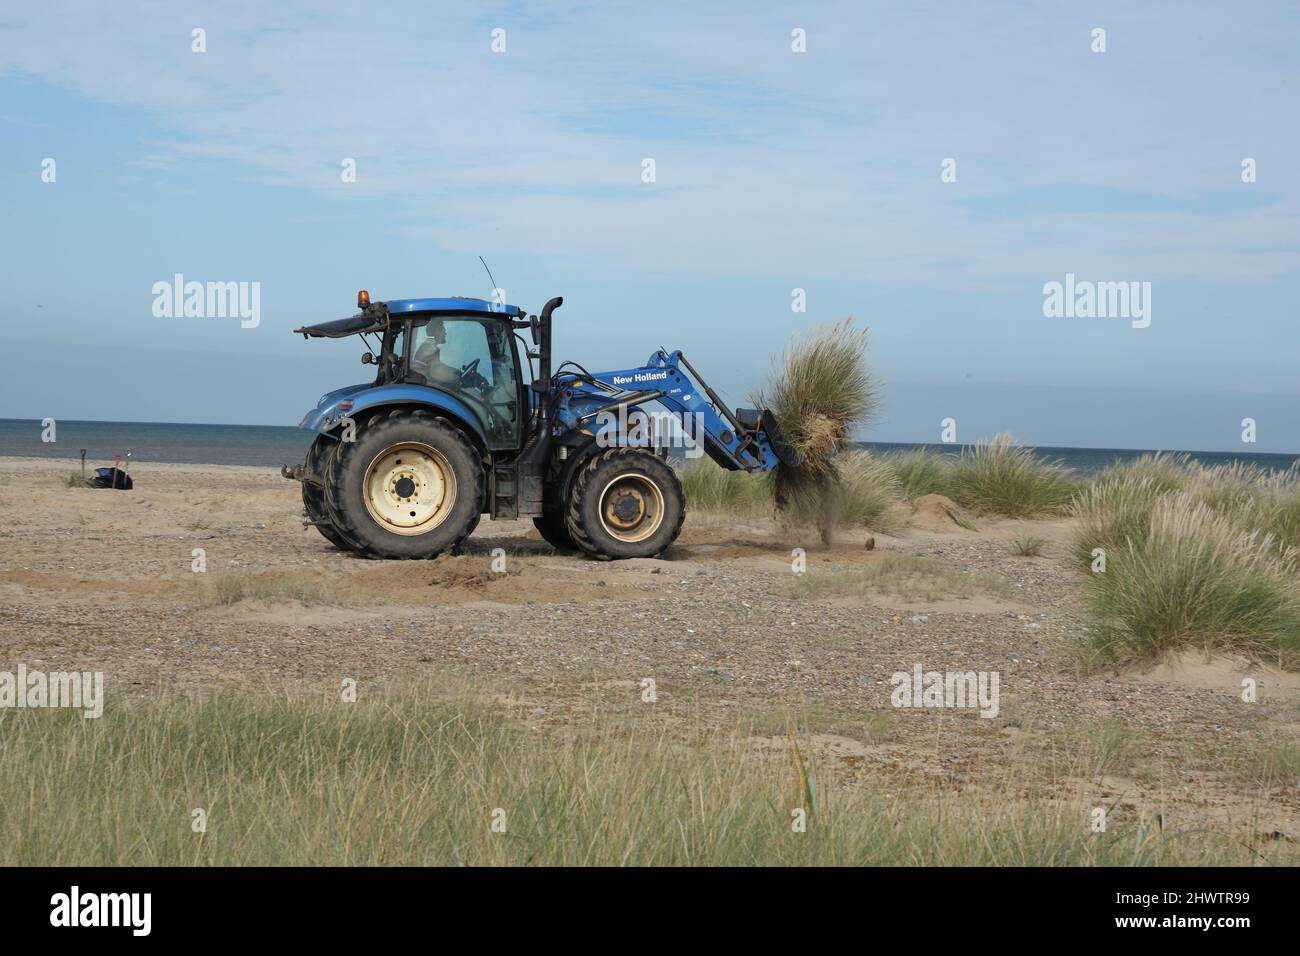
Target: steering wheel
470,378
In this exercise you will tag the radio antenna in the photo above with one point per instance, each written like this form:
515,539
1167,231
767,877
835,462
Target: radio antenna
489,272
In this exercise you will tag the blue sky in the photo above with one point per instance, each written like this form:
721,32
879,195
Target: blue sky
775,170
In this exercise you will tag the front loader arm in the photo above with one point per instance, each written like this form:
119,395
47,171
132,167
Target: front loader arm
602,404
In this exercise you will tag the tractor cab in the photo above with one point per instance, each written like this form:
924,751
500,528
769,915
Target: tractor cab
463,348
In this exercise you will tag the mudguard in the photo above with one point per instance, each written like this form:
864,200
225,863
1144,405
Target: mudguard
329,414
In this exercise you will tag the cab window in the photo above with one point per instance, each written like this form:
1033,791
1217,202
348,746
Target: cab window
474,360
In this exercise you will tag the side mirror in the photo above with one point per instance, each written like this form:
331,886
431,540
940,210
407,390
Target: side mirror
534,324
367,359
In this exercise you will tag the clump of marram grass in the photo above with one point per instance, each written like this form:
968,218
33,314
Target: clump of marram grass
897,574
1191,576
819,392
869,493
224,588
1230,490
865,493
920,472
1116,507
1163,471
995,477
1029,546
1277,510
1113,512
1252,498
711,488
1000,477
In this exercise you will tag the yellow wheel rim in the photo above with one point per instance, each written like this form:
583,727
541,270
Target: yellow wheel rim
631,508
410,488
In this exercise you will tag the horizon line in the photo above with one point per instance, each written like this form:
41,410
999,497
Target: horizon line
860,441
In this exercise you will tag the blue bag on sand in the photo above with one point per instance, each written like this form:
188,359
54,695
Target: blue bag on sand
111,478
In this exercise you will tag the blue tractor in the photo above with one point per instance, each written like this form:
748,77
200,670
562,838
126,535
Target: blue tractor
406,465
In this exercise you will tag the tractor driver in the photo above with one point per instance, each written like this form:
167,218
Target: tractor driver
427,359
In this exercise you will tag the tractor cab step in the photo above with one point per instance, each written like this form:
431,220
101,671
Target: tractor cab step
505,493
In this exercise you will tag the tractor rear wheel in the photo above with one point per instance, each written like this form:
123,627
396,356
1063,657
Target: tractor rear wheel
313,495
625,503
551,526
410,486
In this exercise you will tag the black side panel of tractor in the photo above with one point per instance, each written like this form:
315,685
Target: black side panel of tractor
518,485
516,490
530,494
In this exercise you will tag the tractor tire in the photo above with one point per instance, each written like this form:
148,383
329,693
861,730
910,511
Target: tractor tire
313,495
459,547
410,486
551,526
625,503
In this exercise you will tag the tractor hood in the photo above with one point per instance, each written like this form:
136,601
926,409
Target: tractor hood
327,413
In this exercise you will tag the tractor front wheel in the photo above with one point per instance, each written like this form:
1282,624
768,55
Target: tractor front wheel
625,503
410,486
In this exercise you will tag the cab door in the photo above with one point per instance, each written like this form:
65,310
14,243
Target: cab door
474,360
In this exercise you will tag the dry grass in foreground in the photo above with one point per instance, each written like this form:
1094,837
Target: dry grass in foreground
897,575
418,774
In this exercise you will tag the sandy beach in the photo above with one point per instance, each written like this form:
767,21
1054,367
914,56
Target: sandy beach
97,580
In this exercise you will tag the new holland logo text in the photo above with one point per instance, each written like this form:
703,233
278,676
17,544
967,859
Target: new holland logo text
639,377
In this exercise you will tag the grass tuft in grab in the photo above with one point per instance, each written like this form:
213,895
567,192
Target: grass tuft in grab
820,392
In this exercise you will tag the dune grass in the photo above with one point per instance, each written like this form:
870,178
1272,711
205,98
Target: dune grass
1116,506
225,588
419,774
866,494
1193,556
920,472
1002,478
1029,546
995,477
898,575
711,488
1112,512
